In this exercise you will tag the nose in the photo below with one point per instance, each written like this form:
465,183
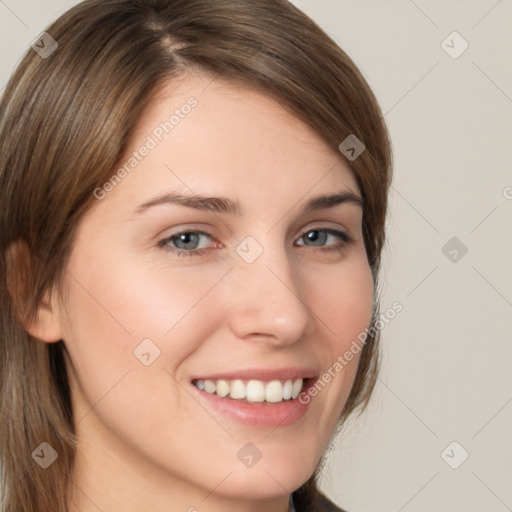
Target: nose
267,300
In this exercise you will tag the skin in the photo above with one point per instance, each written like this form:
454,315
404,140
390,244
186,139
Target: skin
144,442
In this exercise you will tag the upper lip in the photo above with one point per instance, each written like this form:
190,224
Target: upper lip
264,374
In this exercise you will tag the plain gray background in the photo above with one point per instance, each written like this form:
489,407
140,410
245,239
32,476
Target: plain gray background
445,390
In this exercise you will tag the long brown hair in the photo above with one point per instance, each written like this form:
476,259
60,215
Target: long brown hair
65,120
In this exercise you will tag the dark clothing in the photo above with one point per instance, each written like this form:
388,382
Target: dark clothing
327,505
324,505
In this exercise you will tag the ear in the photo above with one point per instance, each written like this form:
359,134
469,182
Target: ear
44,320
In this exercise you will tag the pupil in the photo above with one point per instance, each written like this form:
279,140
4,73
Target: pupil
316,235
185,238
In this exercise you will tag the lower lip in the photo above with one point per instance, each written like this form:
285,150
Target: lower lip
259,414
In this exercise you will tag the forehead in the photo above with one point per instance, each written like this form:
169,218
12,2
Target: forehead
209,135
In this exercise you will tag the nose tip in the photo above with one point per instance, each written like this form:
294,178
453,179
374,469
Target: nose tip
270,305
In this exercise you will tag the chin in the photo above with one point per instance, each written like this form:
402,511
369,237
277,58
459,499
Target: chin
271,477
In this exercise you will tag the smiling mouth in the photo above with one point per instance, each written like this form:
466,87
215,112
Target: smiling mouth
254,391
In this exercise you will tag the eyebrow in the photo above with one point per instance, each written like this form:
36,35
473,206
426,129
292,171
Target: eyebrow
229,206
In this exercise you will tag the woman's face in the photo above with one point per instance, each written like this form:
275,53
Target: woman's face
268,291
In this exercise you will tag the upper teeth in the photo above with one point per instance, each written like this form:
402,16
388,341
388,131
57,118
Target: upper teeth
253,390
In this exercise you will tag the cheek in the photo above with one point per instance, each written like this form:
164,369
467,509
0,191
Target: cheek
116,303
342,297
112,308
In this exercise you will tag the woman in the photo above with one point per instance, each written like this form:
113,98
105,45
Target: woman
193,203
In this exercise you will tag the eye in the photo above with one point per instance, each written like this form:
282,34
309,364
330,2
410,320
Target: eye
319,236
185,243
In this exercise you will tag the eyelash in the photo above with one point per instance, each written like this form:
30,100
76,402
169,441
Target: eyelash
345,237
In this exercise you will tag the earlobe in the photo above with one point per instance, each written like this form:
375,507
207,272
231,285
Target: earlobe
42,321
